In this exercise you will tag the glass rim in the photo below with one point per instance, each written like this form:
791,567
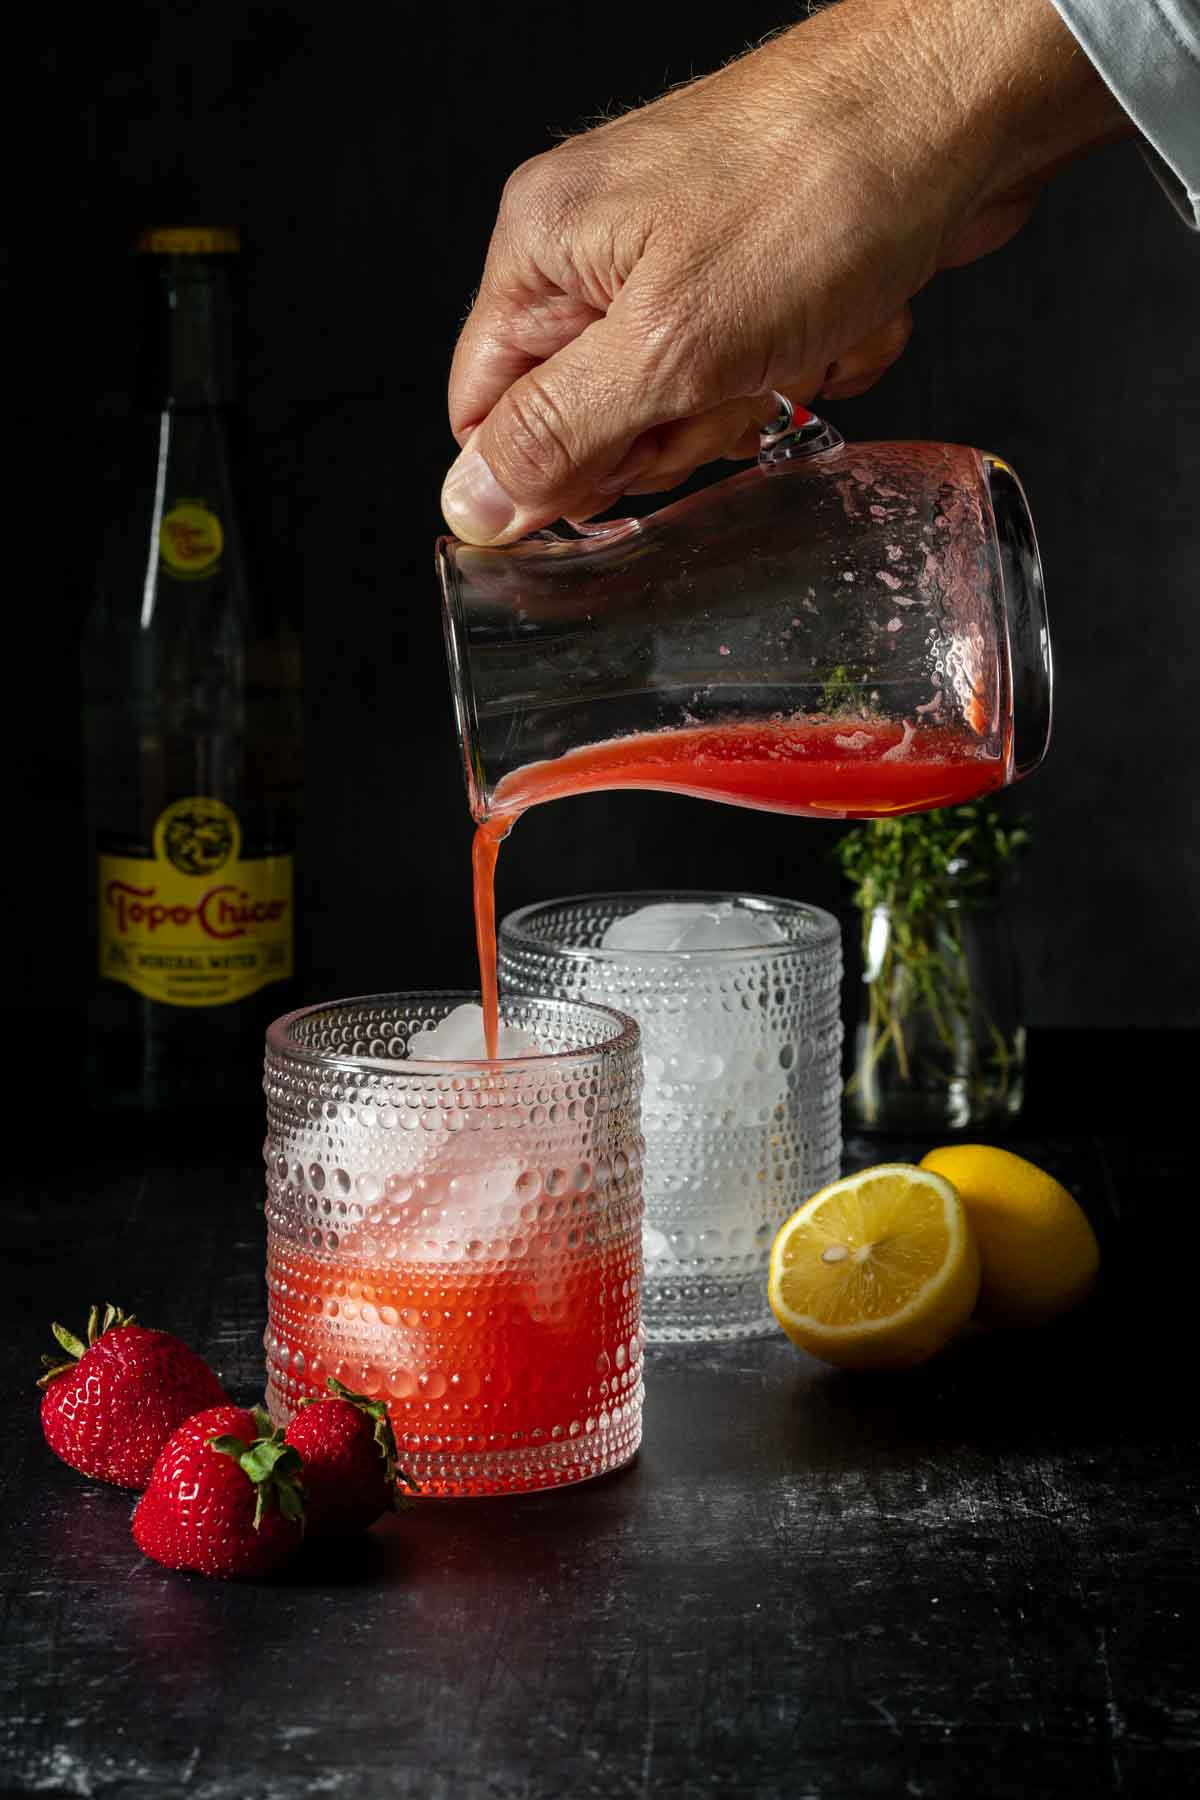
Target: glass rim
457,640
512,927
277,1036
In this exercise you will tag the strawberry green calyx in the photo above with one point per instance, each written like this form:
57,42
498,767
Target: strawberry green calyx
273,1468
100,1320
385,1437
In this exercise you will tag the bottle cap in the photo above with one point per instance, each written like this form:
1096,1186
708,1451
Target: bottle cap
189,240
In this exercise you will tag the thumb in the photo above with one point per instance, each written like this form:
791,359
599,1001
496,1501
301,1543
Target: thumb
581,426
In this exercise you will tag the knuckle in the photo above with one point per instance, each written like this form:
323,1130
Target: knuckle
520,187
539,194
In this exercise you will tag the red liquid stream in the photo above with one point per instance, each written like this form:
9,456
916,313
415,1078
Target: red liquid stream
484,850
822,769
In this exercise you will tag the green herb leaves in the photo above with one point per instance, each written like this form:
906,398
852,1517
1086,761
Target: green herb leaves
958,856
932,1045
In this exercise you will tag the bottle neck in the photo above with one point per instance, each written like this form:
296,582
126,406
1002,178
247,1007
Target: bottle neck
188,341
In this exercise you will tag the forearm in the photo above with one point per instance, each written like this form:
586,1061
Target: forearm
996,94
1028,88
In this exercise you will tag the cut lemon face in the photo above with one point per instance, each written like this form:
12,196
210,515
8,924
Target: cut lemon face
877,1271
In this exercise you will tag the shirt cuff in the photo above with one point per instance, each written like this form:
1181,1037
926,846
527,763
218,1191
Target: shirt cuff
1148,54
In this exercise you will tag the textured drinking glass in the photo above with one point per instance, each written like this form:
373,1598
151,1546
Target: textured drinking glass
460,1239
741,1107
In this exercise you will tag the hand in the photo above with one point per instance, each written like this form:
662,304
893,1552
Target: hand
650,282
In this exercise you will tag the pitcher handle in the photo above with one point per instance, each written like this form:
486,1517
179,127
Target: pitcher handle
791,432
794,432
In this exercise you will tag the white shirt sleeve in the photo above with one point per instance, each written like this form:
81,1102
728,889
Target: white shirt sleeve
1148,53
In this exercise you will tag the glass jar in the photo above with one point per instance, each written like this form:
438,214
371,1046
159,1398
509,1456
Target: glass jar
939,1040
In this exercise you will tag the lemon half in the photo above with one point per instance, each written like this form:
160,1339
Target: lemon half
1038,1253
877,1271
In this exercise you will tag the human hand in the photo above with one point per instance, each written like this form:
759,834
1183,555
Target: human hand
651,282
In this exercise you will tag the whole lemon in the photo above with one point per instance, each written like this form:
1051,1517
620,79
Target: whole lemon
1038,1254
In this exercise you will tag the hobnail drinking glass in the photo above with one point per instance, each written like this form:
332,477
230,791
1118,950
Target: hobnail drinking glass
461,1239
741,1107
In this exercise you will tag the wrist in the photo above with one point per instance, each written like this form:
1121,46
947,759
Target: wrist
1022,97
980,97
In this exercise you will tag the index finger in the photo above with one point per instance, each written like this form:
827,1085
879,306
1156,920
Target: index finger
509,331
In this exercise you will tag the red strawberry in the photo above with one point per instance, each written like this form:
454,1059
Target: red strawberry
349,1452
109,1411
223,1498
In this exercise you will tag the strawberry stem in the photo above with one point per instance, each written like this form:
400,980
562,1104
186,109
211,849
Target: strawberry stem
69,1341
98,1323
385,1437
273,1467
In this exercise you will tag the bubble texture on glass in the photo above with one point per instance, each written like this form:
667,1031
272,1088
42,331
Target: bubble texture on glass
742,1104
460,1240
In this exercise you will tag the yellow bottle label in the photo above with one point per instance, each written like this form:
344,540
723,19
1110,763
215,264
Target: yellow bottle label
190,539
196,924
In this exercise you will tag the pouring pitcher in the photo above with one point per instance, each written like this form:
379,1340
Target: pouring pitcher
841,630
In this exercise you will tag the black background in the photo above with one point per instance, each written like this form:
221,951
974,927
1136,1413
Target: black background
362,151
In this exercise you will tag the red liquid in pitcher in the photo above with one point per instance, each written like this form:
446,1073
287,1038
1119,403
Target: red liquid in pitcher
820,769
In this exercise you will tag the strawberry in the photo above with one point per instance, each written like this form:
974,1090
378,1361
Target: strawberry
349,1452
110,1409
223,1498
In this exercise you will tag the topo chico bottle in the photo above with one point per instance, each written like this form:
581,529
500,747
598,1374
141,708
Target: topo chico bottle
192,726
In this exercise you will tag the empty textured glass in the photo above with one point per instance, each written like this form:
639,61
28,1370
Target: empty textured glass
460,1239
741,1107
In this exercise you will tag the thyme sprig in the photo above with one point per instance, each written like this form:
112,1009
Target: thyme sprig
957,855
913,880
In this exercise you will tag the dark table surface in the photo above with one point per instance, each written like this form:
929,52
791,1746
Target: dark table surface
978,1579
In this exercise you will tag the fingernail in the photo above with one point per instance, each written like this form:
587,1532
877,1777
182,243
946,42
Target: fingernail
475,505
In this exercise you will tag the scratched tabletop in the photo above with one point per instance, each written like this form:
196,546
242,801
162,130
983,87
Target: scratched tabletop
975,1580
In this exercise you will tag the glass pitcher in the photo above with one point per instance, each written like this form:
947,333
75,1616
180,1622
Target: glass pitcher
840,630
